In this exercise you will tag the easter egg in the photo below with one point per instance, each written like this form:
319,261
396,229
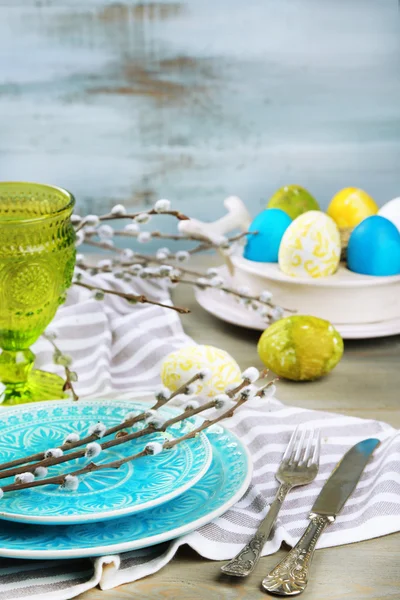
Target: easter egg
350,206
270,224
300,348
310,246
179,366
391,211
374,248
294,200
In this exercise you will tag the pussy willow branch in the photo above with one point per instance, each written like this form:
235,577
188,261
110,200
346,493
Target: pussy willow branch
68,385
133,297
178,237
267,385
141,257
143,260
177,279
208,245
147,258
161,262
50,462
112,217
203,246
237,389
207,423
228,291
91,467
39,456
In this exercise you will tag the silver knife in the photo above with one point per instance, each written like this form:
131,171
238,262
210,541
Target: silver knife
290,576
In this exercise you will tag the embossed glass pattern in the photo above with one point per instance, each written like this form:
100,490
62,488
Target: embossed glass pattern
37,258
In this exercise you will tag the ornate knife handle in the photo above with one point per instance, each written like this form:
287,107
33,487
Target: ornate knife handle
290,576
244,562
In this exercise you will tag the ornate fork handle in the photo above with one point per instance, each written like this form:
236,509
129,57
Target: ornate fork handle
290,576
244,562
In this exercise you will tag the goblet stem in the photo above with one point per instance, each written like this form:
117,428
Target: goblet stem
19,382
15,366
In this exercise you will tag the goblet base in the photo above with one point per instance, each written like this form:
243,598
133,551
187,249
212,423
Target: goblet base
39,386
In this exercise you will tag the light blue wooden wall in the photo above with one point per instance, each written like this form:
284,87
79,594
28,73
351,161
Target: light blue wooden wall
198,99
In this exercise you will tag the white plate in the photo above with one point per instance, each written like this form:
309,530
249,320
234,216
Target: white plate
227,309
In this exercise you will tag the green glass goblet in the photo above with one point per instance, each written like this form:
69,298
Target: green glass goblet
37,259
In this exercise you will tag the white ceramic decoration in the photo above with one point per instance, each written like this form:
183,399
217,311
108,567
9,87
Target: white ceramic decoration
237,217
344,298
310,246
391,211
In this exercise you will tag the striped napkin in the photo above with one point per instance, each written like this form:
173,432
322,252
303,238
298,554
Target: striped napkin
117,349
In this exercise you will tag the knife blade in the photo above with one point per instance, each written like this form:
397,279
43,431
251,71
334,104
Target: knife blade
344,478
290,576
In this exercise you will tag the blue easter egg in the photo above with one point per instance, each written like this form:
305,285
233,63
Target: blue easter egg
271,224
374,248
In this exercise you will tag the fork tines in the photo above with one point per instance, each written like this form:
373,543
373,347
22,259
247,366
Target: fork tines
304,446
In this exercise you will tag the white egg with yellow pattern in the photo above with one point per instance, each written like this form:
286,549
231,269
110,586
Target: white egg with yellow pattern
310,246
179,366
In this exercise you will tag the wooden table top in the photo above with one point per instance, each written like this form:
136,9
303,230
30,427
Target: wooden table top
366,383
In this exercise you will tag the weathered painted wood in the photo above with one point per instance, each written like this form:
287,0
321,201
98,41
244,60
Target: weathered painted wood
196,99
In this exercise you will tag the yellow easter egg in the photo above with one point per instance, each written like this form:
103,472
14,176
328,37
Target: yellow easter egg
300,348
179,366
310,246
350,206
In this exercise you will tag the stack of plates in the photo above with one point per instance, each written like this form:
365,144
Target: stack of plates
150,500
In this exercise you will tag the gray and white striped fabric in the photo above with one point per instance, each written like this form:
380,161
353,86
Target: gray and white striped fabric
117,349
114,345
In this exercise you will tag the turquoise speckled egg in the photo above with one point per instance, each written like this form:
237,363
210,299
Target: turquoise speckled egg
271,224
374,248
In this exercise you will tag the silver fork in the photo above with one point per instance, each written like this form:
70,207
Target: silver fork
299,466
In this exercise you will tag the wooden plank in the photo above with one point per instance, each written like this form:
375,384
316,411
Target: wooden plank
364,571
195,99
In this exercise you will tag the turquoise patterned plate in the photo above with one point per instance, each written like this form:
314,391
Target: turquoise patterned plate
105,494
224,484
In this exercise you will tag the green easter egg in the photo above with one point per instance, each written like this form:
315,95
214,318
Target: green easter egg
294,200
300,348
